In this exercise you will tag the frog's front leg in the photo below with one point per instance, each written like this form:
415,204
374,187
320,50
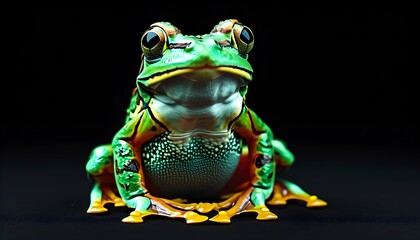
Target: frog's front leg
260,155
129,175
100,169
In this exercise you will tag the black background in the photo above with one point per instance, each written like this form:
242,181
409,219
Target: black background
336,82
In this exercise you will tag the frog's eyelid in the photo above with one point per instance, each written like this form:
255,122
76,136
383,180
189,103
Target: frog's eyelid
225,26
167,27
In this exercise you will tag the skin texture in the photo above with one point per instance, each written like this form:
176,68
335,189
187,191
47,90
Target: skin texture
190,146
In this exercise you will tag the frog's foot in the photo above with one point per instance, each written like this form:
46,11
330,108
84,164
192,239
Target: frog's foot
137,216
202,207
160,207
190,216
100,196
240,203
285,190
98,205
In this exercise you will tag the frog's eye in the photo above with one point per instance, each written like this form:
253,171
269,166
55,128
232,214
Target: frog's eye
153,43
242,38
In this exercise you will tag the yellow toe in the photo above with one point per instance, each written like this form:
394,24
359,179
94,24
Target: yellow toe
96,209
119,203
265,214
132,219
222,217
205,207
314,201
193,217
136,217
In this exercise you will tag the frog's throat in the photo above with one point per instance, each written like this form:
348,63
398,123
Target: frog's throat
158,78
182,138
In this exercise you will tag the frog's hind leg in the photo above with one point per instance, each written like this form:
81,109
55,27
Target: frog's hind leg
100,170
285,190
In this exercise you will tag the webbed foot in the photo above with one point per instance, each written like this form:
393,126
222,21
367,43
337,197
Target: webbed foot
164,207
262,214
97,207
202,207
137,216
240,203
101,195
285,190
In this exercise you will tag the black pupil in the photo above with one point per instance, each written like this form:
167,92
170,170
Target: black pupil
246,36
150,40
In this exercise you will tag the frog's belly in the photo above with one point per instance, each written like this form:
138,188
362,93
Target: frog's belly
198,168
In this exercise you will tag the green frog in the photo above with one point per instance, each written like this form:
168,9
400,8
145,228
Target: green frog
190,146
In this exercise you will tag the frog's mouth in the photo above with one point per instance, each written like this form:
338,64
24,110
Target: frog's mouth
206,72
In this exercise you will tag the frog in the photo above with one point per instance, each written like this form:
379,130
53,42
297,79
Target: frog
190,147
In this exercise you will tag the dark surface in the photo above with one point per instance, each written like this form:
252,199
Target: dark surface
372,191
336,82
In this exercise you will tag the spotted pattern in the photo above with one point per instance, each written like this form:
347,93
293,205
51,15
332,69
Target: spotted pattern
196,169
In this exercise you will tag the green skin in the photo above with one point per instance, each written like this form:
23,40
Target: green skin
263,154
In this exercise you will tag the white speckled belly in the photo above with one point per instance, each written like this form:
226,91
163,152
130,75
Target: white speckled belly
196,169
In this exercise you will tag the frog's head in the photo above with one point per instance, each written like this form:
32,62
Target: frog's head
168,54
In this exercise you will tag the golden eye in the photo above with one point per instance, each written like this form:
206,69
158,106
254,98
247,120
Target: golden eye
242,38
153,43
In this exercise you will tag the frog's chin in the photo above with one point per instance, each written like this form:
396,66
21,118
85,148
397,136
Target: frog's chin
205,73
199,89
